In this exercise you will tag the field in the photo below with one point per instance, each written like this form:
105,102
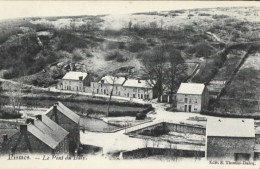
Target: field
224,73
243,94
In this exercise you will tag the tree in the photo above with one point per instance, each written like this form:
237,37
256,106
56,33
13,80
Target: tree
176,71
113,78
1,90
15,95
155,68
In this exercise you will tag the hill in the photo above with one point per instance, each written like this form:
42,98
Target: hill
41,50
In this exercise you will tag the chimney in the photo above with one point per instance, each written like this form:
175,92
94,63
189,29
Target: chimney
80,78
125,77
139,81
5,138
55,108
39,117
30,121
23,128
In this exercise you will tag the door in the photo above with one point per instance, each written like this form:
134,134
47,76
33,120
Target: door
189,108
242,157
185,108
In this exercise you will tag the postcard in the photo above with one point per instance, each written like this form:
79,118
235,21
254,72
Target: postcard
130,84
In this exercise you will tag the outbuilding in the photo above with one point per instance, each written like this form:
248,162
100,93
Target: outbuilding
230,139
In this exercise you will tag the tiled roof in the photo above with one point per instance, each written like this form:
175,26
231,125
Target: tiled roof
191,88
67,112
51,128
138,83
75,75
47,131
110,79
230,127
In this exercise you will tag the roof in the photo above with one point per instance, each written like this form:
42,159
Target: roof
74,75
137,83
230,127
191,88
110,79
67,112
47,131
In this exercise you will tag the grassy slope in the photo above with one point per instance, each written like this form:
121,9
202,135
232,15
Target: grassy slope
77,39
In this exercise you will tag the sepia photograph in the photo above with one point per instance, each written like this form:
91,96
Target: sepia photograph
130,84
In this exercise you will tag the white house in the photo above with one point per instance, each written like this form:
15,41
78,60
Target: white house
192,97
141,89
105,85
75,81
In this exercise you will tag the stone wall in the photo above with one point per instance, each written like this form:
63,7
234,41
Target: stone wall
181,128
184,128
226,147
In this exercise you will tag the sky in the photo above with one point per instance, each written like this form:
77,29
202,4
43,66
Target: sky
15,9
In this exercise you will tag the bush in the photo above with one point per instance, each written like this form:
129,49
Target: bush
204,14
77,55
8,114
115,56
137,46
140,116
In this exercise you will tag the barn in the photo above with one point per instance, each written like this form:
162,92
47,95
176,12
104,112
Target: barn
230,139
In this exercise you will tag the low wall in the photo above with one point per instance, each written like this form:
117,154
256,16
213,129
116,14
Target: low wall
173,153
185,128
152,127
175,127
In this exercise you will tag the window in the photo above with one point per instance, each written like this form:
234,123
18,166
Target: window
134,89
190,100
69,82
101,85
101,90
195,108
242,156
133,95
77,88
195,101
186,100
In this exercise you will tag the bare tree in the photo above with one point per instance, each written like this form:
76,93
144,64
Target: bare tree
145,141
155,68
176,71
15,95
113,78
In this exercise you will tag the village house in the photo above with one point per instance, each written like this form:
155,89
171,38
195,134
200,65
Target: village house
68,120
230,139
105,85
40,135
140,89
192,97
75,81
